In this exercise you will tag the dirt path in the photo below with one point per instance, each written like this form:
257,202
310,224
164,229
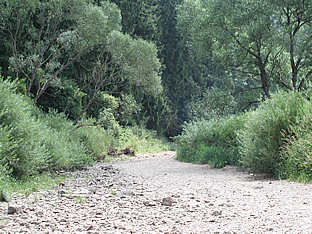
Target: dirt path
156,194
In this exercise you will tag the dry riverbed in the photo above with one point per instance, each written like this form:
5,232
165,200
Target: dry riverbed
156,194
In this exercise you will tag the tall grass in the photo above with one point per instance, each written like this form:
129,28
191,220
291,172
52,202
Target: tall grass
142,140
265,129
32,142
210,141
275,138
296,153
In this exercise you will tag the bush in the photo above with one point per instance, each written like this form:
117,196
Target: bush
96,140
141,140
28,145
213,155
66,150
296,154
212,141
261,138
22,149
214,103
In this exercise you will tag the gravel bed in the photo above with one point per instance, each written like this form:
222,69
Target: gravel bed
156,194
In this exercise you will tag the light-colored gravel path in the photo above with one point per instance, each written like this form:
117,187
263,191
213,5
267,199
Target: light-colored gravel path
157,194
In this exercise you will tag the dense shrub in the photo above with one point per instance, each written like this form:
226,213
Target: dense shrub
96,140
22,149
32,141
296,154
261,138
141,140
28,144
66,98
214,103
212,141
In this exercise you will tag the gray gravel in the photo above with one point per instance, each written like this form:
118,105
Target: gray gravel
156,194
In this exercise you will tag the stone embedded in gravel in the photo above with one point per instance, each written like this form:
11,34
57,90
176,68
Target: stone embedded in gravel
167,201
13,210
149,203
82,192
216,213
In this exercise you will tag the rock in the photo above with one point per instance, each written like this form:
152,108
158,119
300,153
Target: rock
61,192
106,167
128,151
167,201
149,203
92,190
12,210
216,213
127,193
112,151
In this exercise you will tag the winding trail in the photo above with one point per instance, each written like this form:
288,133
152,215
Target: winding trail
157,194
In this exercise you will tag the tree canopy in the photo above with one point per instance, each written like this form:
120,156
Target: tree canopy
266,43
74,44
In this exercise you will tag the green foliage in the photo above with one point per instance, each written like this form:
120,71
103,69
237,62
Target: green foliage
22,140
214,104
156,114
296,153
128,109
213,155
96,141
243,36
95,23
28,184
38,55
65,98
67,53
138,61
141,140
211,141
30,143
140,18
262,136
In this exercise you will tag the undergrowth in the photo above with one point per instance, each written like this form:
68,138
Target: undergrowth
275,139
34,143
265,131
210,141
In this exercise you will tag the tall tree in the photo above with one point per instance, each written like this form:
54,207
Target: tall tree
183,77
53,42
140,18
264,42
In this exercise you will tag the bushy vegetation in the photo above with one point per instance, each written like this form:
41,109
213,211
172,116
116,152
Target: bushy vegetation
296,153
211,141
141,140
32,142
275,139
265,129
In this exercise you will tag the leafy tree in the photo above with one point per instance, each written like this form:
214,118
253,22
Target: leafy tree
76,46
138,61
263,42
140,18
54,42
183,77
294,21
